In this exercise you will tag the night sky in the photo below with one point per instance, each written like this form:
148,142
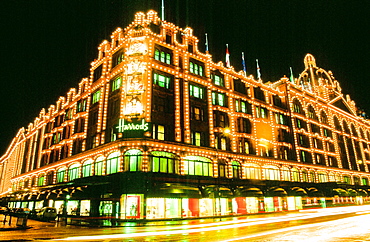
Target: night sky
46,47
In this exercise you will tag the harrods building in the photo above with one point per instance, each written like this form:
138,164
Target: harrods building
160,131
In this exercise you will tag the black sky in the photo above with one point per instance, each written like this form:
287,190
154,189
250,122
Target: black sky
46,47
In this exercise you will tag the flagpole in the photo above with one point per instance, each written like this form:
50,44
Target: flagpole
227,58
162,10
207,50
258,71
244,67
291,75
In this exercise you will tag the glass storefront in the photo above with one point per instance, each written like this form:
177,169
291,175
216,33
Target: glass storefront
131,206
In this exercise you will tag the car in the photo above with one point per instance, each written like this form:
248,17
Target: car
47,213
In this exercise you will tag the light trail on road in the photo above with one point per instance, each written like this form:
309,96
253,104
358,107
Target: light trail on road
215,226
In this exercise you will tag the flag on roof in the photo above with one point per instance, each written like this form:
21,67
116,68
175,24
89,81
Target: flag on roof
243,62
227,61
291,75
258,71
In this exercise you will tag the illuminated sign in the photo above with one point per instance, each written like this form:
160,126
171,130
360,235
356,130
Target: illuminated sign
122,126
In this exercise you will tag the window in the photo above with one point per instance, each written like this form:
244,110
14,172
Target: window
98,166
97,73
222,170
116,84
196,138
158,132
112,163
271,173
244,125
218,79
163,55
244,146
60,175
79,125
252,172
162,80
219,99
164,162
196,91
242,106
311,113
220,119
297,107
301,124
117,58
295,175
133,160
81,105
73,172
259,94
197,113
261,112
96,97
239,86
324,118
197,165
40,181
237,172
86,168
196,68
323,177
285,174
281,119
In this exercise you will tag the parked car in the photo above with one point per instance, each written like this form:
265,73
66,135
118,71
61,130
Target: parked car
21,211
47,213
33,213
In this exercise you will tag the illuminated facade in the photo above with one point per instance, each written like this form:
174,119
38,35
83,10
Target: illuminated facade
159,131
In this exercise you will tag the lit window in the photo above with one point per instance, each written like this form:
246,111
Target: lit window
196,91
60,175
86,168
73,172
164,162
162,80
116,84
98,166
196,138
195,68
158,132
40,181
163,55
112,163
96,97
133,160
219,99
196,165
218,80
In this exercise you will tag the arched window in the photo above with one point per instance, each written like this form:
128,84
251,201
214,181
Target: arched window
304,176
346,128
337,124
73,172
133,160
86,168
61,174
271,173
98,166
41,180
197,165
331,177
237,172
323,177
295,175
324,118
50,178
253,172
297,107
112,163
222,169
164,162
354,131
285,173
311,113
312,176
